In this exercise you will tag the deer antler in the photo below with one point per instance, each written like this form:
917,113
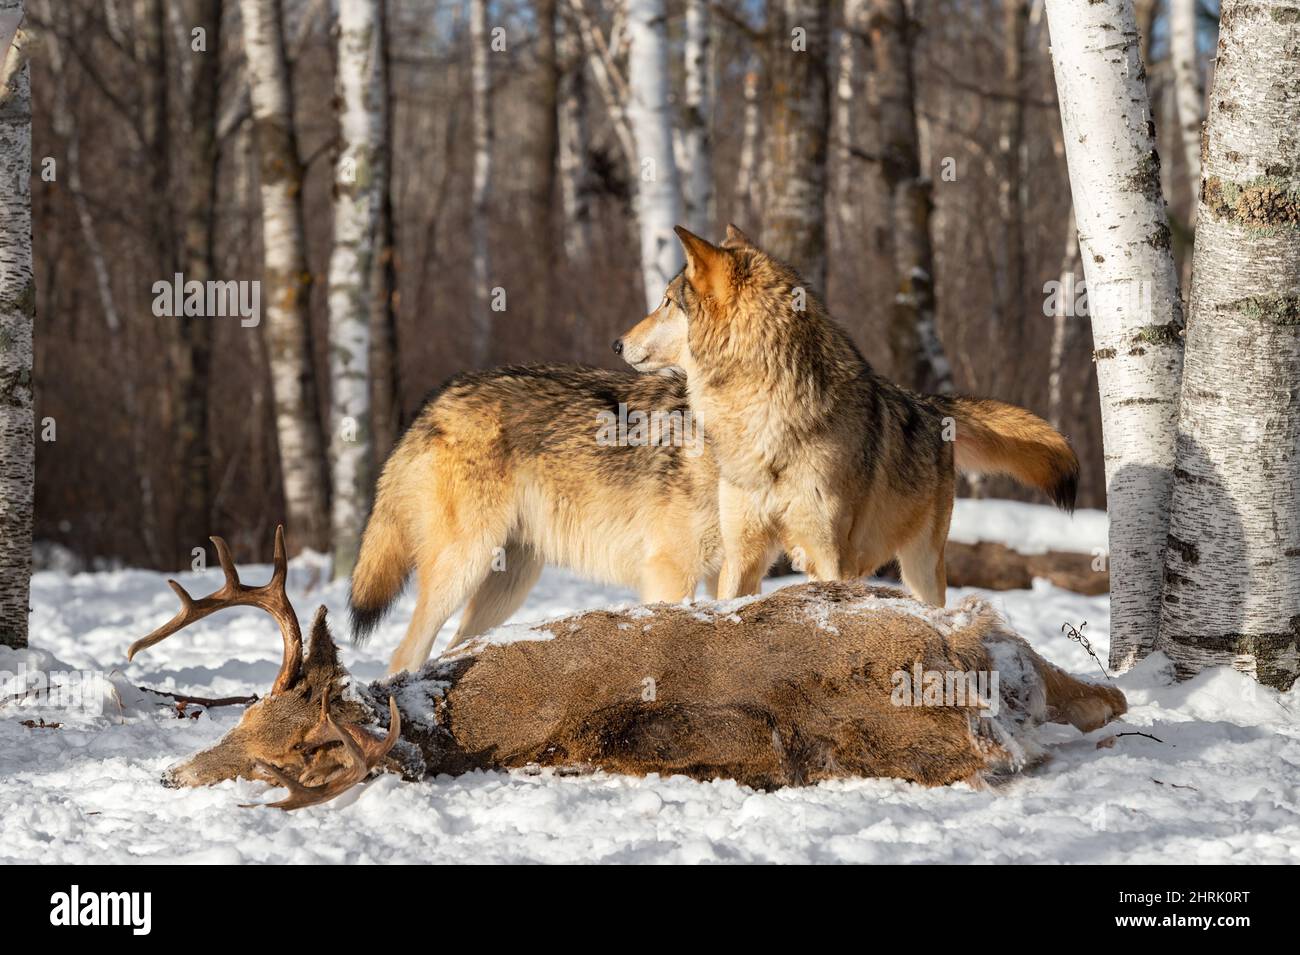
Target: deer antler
270,597
363,754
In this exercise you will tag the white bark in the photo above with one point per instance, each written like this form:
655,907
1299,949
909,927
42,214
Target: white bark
1132,295
747,173
1188,92
17,313
1232,571
287,283
572,105
659,194
356,209
481,91
609,81
846,67
697,139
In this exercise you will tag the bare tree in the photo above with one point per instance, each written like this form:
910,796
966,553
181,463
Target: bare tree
200,199
287,279
649,111
385,369
1232,569
697,137
1133,301
1188,92
356,207
918,357
17,315
796,120
481,84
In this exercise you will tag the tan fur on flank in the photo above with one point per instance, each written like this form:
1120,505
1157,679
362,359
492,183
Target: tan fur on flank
503,472
789,689
816,453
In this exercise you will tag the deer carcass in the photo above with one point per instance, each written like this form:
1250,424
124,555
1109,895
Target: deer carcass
812,682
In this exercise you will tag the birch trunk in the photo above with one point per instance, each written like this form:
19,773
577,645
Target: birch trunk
481,91
1232,570
1132,295
649,111
845,101
575,201
918,357
1188,92
746,199
697,140
1063,331
287,282
17,315
797,126
356,208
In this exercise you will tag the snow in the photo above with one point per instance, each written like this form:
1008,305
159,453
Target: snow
1028,528
1222,784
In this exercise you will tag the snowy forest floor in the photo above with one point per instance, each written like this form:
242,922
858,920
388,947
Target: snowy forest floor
1221,785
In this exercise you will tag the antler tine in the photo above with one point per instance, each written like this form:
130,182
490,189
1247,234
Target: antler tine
363,752
184,617
233,586
280,562
270,597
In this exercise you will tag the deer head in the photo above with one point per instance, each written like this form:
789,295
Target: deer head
303,735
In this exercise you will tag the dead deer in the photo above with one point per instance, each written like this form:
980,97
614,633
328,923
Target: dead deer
799,686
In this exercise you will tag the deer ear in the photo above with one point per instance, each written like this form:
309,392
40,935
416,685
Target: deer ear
736,239
705,262
322,664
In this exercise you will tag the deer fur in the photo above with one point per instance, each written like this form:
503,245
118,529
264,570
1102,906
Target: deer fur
788,689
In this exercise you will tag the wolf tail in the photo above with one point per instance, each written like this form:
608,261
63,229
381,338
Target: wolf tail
994,437
382,567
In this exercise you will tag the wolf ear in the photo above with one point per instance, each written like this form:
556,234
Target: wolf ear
736,239
704,262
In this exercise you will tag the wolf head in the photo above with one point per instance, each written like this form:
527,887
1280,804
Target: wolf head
720,285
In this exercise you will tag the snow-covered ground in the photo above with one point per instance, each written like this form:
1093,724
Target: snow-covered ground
1221,785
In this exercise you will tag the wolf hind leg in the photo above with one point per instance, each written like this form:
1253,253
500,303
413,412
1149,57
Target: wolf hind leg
445,583
500,595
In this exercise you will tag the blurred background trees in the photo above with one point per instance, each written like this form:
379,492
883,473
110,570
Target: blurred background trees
907,156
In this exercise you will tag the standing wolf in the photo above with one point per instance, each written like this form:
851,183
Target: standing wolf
816,452
508,470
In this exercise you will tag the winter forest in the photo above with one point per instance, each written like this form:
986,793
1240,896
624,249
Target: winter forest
243,242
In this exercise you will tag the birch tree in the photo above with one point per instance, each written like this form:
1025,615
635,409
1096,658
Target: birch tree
481,90
649,112
575,201
17,314
846,67
918,358
697,138
287,282
1188,93
1232,570
797,128
1124,242
356,208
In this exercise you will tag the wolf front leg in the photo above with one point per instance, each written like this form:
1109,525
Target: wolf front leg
748,542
